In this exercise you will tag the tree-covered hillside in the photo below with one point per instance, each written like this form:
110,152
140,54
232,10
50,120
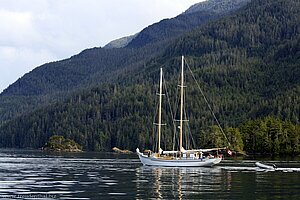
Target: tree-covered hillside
194,17
217,6
247,63
55,81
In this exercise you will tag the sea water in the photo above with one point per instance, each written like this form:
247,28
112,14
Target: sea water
40,175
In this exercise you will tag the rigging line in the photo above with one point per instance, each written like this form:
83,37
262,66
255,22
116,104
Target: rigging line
174,116
170,107
155,146
186,132
190,137
193,144
208,103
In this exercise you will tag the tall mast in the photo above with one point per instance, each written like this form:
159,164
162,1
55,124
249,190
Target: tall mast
159,111
181,105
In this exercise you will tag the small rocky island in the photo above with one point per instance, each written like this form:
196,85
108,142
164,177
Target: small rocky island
117,150
58,143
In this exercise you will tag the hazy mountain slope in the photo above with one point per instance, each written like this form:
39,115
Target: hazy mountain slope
120,43
247,63
68,74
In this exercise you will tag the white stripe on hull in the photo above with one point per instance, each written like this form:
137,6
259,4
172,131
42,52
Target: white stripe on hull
178,163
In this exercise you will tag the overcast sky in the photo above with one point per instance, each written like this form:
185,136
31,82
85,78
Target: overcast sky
34,32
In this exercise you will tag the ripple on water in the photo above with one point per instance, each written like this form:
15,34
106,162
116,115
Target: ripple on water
14,183
77,198
37,178
38,185
117,194
87,183
111,183
67,182
15,190
140,181
60,192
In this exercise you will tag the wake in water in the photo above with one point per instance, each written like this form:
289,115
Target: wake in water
258,166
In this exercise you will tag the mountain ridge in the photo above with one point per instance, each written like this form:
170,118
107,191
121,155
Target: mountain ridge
217,6
121,42
54,81
195,16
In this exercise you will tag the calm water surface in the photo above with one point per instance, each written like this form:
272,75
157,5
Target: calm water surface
38,175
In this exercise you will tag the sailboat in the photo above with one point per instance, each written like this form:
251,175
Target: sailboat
181,157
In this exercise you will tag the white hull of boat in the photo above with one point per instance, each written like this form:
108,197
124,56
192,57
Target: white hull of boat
274,168
152,161
263,166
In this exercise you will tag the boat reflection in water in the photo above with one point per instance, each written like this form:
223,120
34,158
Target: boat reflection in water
180,183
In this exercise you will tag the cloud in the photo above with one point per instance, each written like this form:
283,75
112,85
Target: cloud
15,28
37,31
15,61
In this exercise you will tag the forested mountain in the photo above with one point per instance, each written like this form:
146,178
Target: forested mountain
53,82
195,16
246,62
217,6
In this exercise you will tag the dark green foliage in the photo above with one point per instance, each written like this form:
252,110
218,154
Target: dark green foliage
98,119
247,64
59,143
268,135
213,137
271,136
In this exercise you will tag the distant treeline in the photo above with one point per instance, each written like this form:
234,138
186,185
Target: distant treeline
268,135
